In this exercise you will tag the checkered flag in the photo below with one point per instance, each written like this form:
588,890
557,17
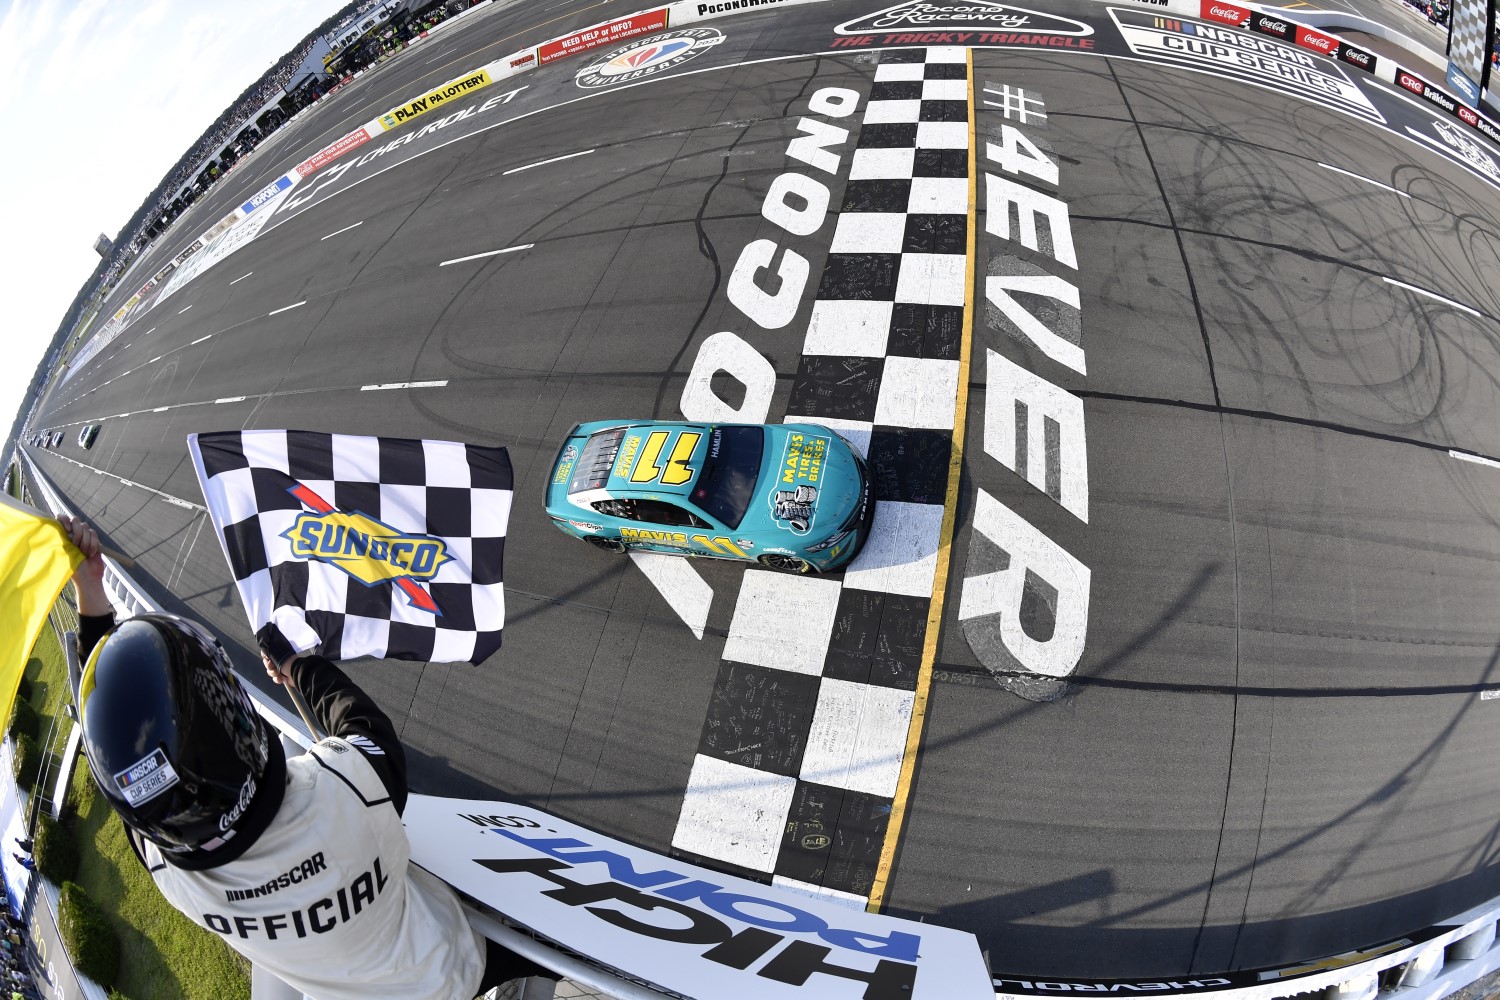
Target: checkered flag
361,546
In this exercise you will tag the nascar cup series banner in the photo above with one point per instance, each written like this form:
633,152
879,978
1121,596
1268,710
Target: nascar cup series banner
696,932
355,546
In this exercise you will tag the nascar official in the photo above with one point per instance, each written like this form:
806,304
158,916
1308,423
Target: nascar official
301,864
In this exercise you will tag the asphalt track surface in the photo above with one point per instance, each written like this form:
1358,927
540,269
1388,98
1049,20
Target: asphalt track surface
1274,746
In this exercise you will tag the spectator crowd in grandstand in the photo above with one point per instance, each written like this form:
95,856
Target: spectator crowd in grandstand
16,952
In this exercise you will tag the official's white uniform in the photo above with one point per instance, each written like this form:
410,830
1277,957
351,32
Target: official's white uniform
326,899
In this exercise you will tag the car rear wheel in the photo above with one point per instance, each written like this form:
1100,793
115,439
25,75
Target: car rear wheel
607,544
789,564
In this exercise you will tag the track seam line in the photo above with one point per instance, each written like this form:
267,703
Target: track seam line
1229,490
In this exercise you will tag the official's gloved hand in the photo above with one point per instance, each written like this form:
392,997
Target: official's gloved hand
279,674
276,653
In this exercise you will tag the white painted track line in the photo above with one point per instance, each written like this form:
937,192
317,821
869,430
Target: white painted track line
1476,459
242,277
404,385
283,309
169,498
1433,295
184,309
542,163
331,235
487,253
1362,177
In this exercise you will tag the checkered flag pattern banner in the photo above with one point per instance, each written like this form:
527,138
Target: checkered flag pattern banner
353,546
800,755
1468,43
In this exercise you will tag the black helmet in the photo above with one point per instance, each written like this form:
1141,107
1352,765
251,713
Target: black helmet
175,744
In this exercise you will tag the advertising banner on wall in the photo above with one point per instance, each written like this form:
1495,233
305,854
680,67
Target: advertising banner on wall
603,34
691,930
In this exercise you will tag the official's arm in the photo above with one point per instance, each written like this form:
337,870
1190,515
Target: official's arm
343,709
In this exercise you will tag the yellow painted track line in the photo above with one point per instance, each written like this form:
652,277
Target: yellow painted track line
945,544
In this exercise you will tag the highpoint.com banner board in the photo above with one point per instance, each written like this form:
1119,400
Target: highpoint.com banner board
691,930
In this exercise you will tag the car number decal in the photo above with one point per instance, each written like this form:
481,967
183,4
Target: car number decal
675,471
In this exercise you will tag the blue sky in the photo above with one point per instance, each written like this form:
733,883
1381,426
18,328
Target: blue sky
98,98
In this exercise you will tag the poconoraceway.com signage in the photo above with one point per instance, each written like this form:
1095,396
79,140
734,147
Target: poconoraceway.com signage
679,926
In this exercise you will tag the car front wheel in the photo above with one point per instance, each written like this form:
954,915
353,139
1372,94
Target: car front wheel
607,544
789,564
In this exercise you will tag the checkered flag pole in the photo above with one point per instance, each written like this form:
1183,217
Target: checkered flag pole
352,546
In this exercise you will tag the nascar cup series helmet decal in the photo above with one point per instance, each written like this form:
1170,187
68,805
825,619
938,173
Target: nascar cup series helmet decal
653,55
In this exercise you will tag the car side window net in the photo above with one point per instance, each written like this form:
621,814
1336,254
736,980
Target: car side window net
651,512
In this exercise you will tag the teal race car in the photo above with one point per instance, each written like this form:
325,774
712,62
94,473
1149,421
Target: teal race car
788,496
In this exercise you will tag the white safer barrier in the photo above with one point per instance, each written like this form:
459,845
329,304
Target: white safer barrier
1279,23
595,36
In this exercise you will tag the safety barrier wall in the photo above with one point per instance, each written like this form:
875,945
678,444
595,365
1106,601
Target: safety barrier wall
1278,23
587,39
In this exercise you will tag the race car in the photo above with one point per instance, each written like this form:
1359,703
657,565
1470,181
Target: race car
791,497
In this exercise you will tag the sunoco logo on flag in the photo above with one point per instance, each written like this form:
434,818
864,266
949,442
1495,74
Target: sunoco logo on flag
362,546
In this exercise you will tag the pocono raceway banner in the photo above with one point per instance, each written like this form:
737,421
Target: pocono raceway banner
688,929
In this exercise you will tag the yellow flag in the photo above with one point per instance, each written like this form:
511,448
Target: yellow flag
36,562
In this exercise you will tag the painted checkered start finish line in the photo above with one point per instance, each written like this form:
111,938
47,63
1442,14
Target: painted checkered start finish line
356,546
797,771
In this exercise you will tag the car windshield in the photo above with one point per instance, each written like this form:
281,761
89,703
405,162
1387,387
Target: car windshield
727,481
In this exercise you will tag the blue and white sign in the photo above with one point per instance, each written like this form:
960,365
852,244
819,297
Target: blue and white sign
699,933
266,193
1462,85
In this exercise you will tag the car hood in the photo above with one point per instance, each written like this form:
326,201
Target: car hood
810,482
